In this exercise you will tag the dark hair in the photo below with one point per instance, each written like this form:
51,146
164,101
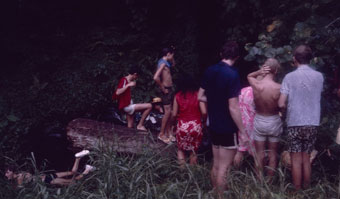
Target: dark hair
230,50
12,168
303,54
165,51
134,69
186,83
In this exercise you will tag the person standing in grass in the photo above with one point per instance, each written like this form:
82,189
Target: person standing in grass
300,95
220,88
163,79
190,114
267,121
125,103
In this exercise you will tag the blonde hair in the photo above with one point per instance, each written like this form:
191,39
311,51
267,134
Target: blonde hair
273,64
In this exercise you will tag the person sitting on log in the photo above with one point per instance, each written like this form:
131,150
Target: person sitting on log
55,178
125,104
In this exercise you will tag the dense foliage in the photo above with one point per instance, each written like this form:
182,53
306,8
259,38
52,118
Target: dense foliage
62,59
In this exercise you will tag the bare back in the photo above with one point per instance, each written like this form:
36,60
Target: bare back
266,96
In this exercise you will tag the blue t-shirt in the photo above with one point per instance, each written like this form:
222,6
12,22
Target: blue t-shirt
163,61
221,82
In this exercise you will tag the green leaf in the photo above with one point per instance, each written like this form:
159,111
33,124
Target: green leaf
12,118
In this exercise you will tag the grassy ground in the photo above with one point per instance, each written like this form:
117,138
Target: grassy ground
152,176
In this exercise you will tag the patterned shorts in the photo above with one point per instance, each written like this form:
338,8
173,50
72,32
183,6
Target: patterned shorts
301,138
189,135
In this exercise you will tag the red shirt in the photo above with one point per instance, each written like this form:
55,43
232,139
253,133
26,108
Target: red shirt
188,106
124,99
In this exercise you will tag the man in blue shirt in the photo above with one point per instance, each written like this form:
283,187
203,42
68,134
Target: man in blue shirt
220,88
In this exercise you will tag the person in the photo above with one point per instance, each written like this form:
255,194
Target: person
55,178
125,103
189,112
246,140
163,79
300,95
267,121
220,87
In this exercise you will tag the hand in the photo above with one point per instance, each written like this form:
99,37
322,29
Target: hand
265,70
164,90
132,84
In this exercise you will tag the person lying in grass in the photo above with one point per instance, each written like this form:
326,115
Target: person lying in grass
56,178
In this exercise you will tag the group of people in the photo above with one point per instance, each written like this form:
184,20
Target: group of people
238,120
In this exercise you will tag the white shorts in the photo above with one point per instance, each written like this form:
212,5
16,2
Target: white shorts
130,109
267,127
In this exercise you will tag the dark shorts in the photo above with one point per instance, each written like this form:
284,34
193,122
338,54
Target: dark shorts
167,97
49,177
301,138
229,140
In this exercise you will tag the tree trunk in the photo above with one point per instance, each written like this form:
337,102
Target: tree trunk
86,133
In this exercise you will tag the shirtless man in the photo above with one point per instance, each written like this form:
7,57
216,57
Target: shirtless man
267,122
163,79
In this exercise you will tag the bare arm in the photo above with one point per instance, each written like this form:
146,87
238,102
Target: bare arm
122,90
157,75
235,112
282,101
174,108
203,109
252,76
201,95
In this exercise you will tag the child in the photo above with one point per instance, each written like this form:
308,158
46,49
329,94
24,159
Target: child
189,112
123,95
57,178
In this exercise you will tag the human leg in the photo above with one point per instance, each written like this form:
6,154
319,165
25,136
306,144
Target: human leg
225,161
238,158
307,169
72,172
61,181
130,120
167,112
214,168
259,157
181,157
193,158
146,108
272,150
296,169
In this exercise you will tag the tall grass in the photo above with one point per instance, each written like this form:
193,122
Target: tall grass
151,175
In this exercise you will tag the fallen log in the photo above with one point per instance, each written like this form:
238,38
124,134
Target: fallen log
87,134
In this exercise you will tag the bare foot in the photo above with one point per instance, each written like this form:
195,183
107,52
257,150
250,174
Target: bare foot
164,139
141,128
